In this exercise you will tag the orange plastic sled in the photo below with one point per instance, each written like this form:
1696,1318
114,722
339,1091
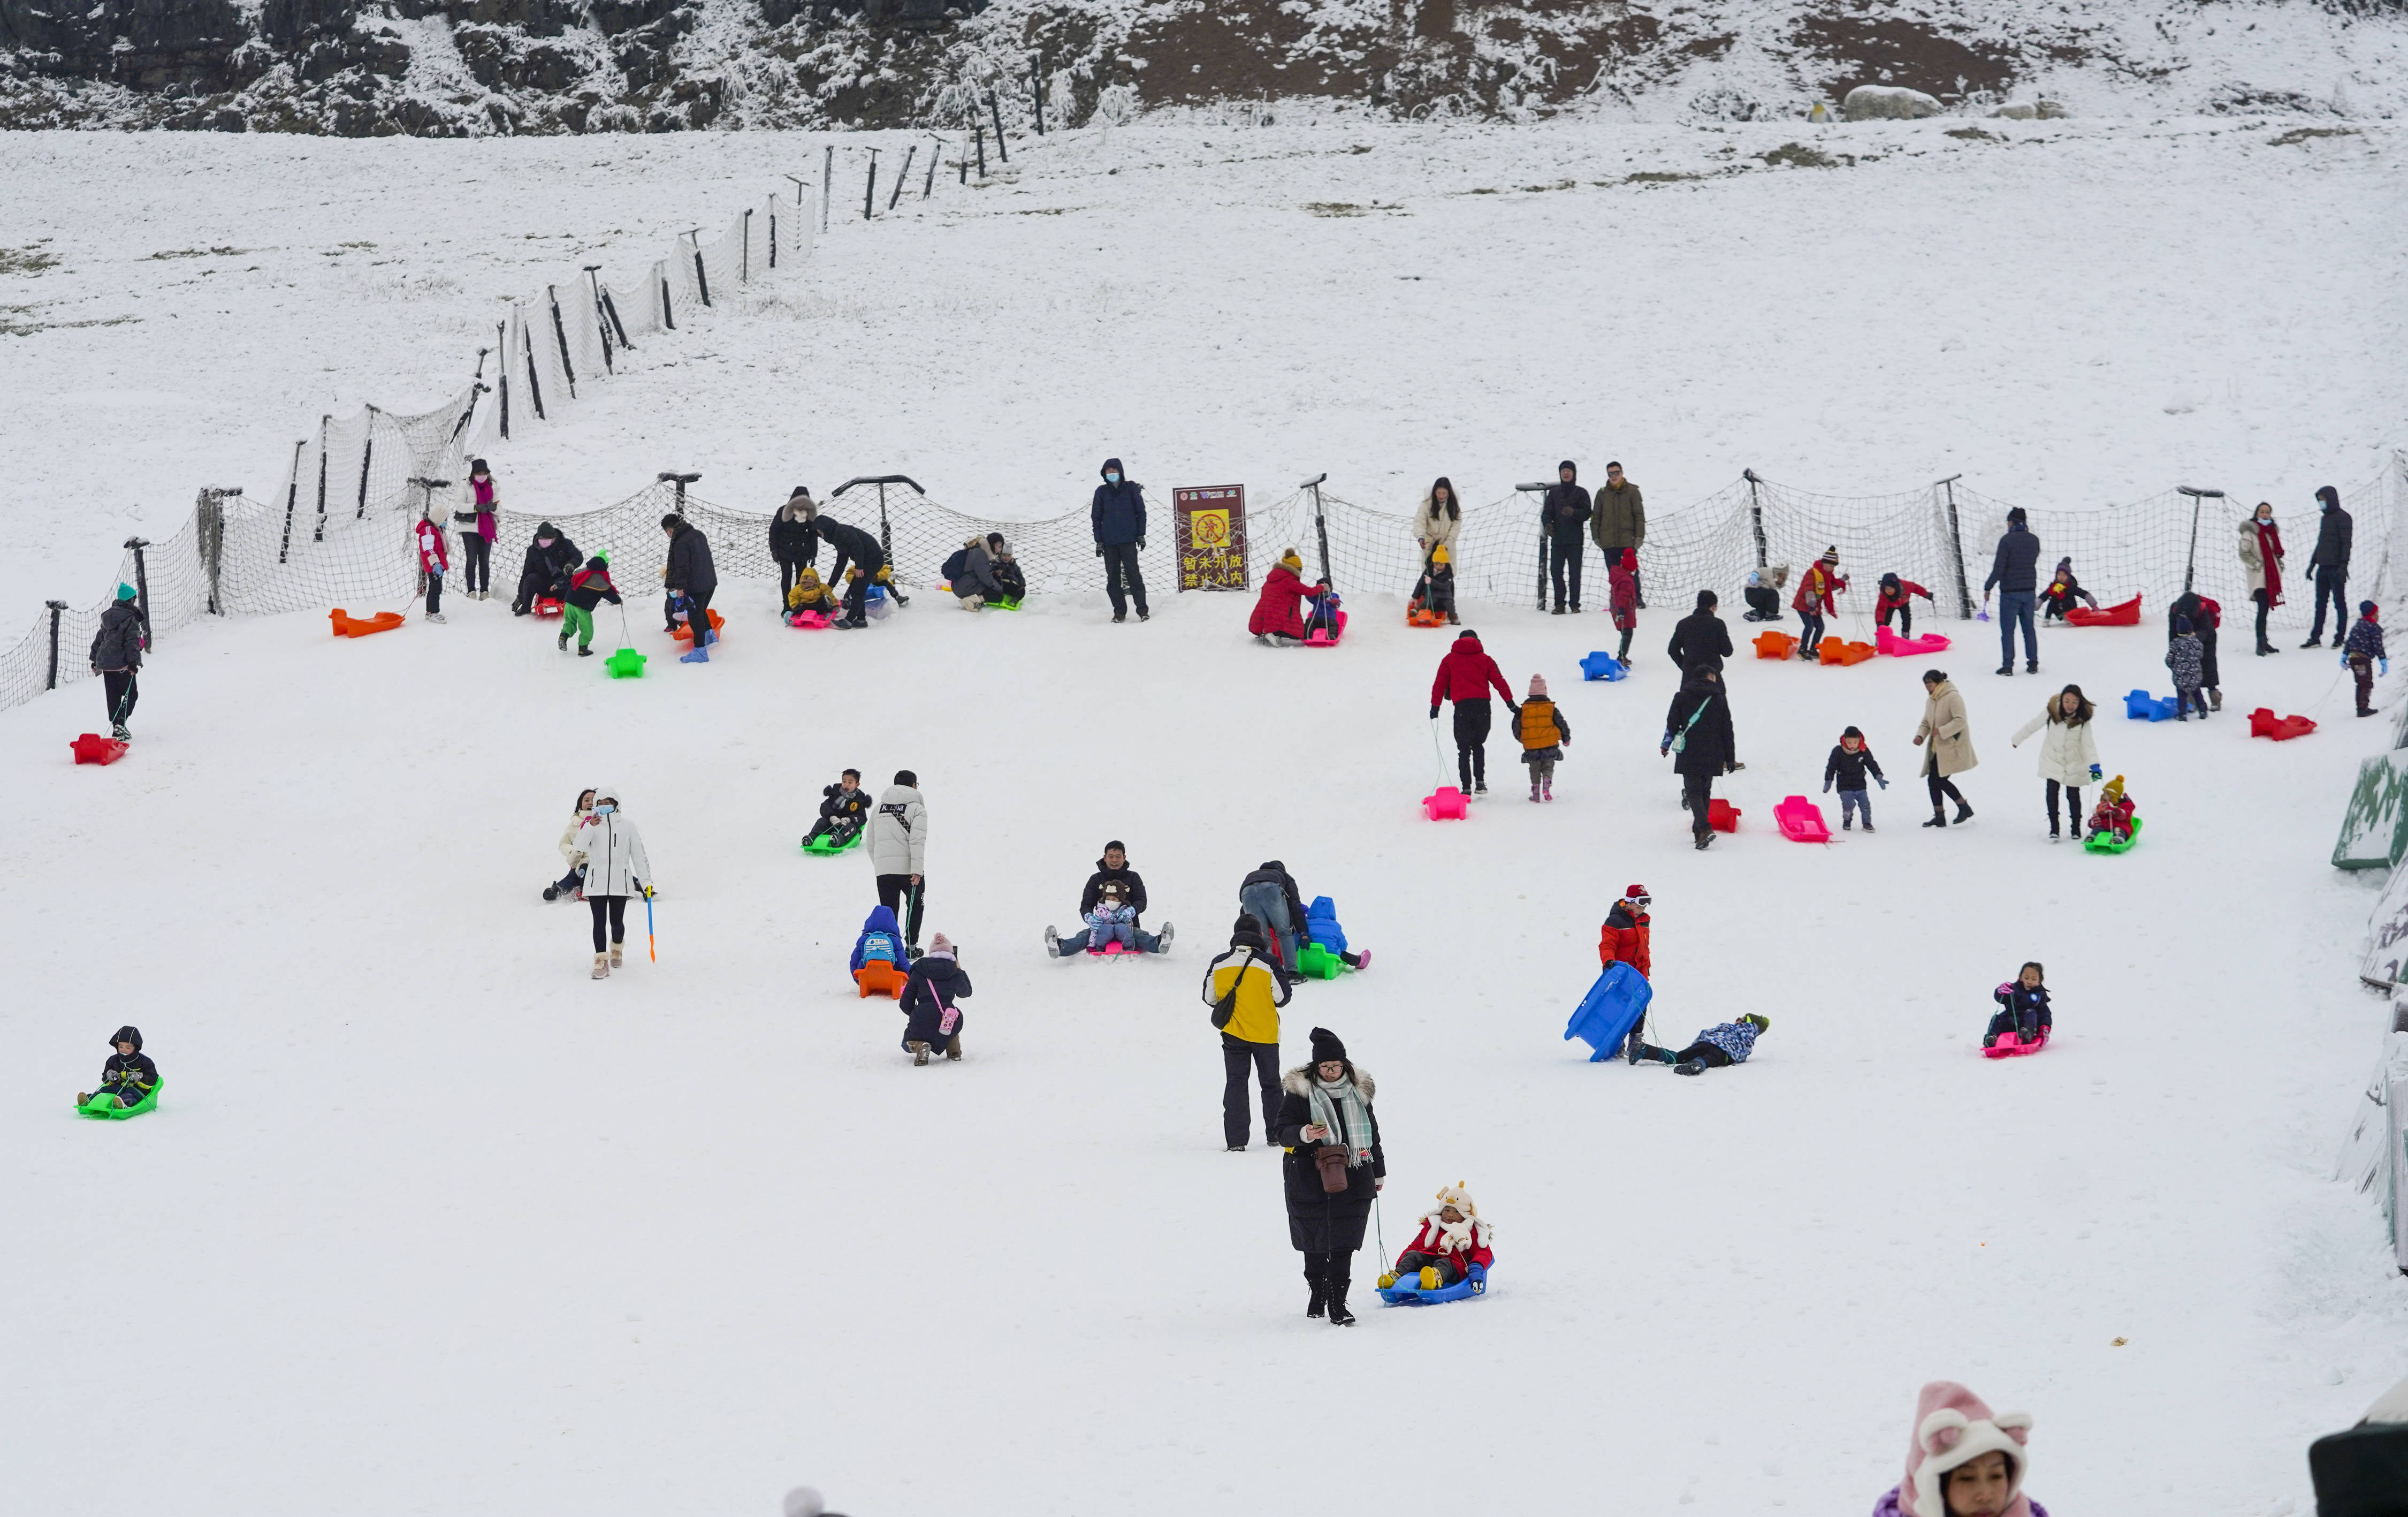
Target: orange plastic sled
1832,650
880,978
1424,618
2123,613
1774,644
347,625
685,633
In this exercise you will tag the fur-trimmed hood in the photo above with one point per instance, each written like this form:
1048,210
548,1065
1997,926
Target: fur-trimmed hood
1300,1081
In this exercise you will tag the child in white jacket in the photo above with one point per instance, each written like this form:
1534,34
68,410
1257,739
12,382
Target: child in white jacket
2068,754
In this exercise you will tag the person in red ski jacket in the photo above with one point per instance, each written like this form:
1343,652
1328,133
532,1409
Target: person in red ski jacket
1622,599
1898,595
1453,1241
1816,598
434,561
1276,618
1465,677
1622,939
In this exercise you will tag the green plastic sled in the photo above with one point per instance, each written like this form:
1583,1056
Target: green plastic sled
1318,961
1004,603
626,664
824,846
104,1106
2105,841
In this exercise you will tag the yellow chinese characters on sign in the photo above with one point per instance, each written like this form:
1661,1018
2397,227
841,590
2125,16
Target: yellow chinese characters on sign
1212,537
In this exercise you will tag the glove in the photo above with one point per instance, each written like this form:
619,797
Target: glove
1882,783
2344,660
1140,544
1826,787
1099,550
2094,771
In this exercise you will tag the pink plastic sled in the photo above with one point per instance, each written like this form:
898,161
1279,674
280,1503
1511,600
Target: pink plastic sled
1113,949
1446,802
1325,637
1800,820
809,621
2012,1045
1886,640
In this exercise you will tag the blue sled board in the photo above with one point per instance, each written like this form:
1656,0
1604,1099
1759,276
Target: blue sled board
1610,1010
1472,1284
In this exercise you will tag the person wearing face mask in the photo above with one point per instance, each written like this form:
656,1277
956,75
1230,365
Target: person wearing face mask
1118,515
550,558
615,869
1333,1166
2261,555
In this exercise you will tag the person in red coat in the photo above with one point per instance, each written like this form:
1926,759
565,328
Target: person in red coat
1622,939
1816,598
1453,1241
1898,595
1622,596
1276,617
434,559
1463,677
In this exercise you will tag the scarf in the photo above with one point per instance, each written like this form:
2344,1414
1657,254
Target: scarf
1341,1109
2270,553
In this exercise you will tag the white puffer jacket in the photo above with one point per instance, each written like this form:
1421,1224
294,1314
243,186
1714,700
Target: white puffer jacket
898,833
614,853
2069,750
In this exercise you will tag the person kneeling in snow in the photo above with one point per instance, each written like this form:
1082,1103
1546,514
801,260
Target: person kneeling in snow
969,574
1453,1239
1276,618
1962,1461
129,1074
936,983
1716,1047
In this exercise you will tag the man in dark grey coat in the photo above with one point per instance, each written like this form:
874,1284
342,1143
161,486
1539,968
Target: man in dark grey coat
1117,513
2328,566
690,571
116,655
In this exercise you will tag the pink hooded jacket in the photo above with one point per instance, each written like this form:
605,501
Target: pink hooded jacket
1952,1426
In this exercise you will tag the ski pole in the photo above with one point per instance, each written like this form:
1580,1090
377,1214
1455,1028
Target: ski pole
651,945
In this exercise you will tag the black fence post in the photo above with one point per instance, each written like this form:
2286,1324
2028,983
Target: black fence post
210,518
977,134
2190,563
870,188
320,534
1756,515
936,150
502,380
57,607
560,331
1319,523
1540,491
1037,89
292,498
902,175
367,452
827,182
141,586
680,481
668,318
701,275
744,255
996,112
534,383
1956,551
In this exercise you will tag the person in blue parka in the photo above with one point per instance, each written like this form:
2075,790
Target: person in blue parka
1118,513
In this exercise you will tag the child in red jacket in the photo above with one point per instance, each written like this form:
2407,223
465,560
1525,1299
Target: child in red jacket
1898,595
1816,598
1453,1241
433,561
1622,939
1622,599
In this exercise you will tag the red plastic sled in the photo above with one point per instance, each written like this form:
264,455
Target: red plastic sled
347,625
685,633
1800,820
2123,613
1446,802
1721,815
1775,645
93,748
2264,723
1887,642
2012,1045
878,977
547,606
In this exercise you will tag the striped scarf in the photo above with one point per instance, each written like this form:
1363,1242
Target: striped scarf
1341,1109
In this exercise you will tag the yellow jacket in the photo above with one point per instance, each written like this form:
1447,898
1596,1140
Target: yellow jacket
1261,992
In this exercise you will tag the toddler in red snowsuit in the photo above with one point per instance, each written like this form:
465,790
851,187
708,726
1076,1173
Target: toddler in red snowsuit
1451,1241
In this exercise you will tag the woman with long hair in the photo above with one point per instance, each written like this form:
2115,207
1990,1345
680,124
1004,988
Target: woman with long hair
2068,754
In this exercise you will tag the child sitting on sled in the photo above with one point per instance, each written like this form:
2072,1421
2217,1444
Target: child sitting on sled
1452,1240
842,807
2061,592
2114,814
1114,919
1006,569
1434,593
810,594
2023,1008
880,942
129,1074
1716,1047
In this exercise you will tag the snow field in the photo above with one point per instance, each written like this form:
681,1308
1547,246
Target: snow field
428,1218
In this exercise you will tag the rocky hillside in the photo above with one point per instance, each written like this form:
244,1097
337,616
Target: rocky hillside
452,67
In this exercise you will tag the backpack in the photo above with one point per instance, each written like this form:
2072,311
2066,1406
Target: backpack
955,565
881,948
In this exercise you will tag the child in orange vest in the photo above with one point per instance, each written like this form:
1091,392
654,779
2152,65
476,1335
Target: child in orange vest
1543,732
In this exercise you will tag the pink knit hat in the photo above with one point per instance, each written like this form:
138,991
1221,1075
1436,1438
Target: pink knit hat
1538,686
1954,1426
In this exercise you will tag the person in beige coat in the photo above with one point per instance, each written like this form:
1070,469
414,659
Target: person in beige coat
2261,556
1951,749
1438,521
2068,753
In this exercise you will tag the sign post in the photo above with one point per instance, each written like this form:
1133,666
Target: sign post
1212,538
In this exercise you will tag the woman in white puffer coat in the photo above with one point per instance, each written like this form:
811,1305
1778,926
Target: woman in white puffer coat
2068,753
615,869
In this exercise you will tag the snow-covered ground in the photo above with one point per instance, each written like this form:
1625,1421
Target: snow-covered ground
428,1221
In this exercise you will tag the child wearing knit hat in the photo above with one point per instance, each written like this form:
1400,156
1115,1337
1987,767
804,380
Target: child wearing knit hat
1963,1460
1453,1242
936,983
1434,592
2114,813
1543,732
2362,650
1716,1047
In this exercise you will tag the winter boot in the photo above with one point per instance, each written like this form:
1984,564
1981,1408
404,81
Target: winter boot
2215,699
1868,824
1847,822
551,892
1547,788
1339,1315
973,602
1320,1300
434,617
1480,787
2315,643
1384,1282
1693,1066
562,642
953,1047
1143,614
1429,1277
1705,841
1053,944
919,1053
1939,817
1162,939
1964,812
1119,616
120,733
1534,792
618,952
601,967
1635,1052
583,651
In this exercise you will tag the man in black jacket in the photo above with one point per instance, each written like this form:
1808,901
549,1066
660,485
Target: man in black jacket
690,572
2328,566
1118,515
1700,634
550,558
1564,516
116,655
852,546
2014,572
794,540
1112,868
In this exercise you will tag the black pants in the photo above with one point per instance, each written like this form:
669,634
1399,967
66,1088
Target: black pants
828,826
2265,605
788,571
2361,670
1707,1054
480,568
1697,794
2207,671
434,593
1412,1261
1472,718
611,909
1564,556
570,883
1329,1269
1905,620
1122,580
2072,802
1236,1055
532,588
1622,655
2188,701
1809,632
1764,602
698,614
1941,787
2332,583
122,692
892,892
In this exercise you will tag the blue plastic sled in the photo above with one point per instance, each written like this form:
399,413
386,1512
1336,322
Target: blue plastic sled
2140,706
1603,666
1474,1283
1610,1011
